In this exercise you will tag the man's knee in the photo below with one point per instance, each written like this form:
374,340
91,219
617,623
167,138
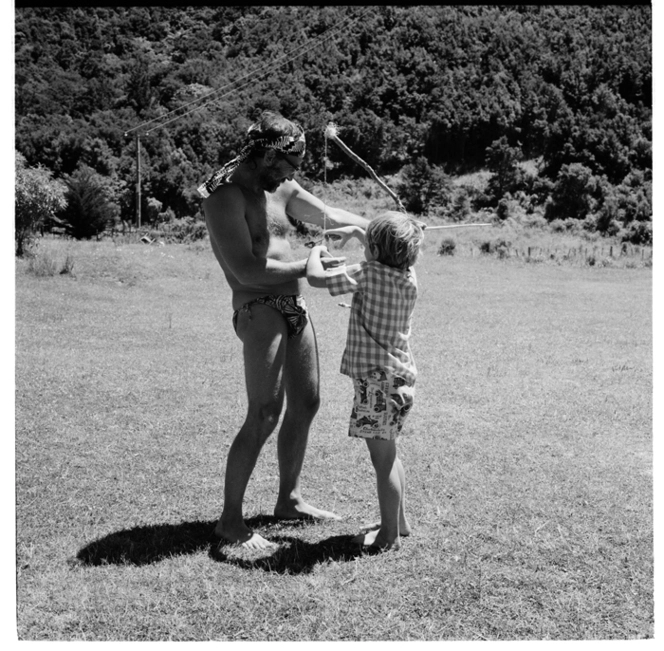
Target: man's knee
265,416
313,404
304,405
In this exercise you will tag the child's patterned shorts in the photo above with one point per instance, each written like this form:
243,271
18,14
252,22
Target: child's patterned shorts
382,402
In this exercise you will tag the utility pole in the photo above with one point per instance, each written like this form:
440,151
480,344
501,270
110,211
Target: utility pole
138,180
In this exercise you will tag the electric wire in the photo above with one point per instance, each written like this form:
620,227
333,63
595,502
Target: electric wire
290,56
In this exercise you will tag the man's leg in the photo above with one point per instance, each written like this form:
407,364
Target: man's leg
264,346
301,379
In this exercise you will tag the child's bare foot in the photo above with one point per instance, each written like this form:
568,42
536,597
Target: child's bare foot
372,540
404,529
302,511
242,536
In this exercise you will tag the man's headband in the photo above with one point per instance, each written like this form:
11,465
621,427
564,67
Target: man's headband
295,145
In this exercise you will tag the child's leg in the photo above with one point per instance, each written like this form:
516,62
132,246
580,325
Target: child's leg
389,484
404,525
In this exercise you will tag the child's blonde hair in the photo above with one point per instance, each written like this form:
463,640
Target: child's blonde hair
396,239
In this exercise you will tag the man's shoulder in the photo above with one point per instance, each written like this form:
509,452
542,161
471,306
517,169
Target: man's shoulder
224,193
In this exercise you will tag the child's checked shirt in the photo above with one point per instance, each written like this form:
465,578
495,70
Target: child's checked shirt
380,317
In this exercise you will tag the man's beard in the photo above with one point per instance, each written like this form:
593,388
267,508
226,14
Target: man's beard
268,181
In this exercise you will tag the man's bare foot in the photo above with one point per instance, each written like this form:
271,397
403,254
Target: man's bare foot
373,541
403,530
242,536
302,511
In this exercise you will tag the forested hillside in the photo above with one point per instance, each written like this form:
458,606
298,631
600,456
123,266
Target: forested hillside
440,89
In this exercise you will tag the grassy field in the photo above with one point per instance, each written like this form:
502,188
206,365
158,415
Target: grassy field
528,459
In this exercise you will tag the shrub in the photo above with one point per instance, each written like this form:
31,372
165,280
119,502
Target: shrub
185,230
153,210
44,263
630,201
534,221
503,210
542,188
486,246
589,224
499,246
637,233
502,248
503,161
447,246
574,193
37,197
461,206
89,209
424,187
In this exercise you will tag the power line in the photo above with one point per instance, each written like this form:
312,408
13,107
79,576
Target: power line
250,76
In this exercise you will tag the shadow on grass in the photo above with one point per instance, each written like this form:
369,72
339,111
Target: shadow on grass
148,544
153,543
293,556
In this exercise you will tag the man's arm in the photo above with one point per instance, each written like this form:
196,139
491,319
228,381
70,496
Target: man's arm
320,260
315,270
225,218
306,207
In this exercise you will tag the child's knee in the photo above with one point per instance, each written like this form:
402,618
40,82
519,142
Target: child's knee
383,453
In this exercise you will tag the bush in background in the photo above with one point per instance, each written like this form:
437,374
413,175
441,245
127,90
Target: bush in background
507,177
90,208
184,230
37,197
447,246
639,233
574,193
424,187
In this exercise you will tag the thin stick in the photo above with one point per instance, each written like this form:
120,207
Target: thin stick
437,228
331,132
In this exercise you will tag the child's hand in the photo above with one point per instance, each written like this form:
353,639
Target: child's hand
321,254
327,259
341,235
329,262
318,251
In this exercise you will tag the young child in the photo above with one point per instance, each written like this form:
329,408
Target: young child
378,356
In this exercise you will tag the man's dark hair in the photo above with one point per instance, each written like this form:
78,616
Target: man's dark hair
271,125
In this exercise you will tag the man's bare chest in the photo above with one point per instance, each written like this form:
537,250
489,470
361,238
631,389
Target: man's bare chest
276,219
268,223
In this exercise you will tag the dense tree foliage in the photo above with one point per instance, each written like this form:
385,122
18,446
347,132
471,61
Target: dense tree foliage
570,85
90,206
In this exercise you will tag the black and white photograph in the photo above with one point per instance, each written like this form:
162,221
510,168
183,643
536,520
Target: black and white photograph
331,324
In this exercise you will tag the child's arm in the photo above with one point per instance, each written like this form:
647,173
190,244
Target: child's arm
341,235
320,260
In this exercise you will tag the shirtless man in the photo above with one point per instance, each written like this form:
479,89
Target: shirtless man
246,206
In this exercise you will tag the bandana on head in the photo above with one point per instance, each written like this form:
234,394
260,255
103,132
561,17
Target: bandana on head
294,145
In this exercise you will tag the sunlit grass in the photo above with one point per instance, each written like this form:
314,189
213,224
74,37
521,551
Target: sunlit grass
528,459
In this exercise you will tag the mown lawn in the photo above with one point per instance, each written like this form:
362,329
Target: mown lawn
528,458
